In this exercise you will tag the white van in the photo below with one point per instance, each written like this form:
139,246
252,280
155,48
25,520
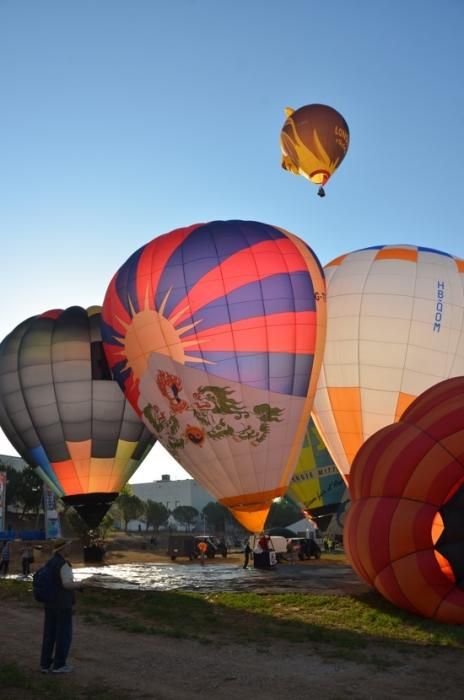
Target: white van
276,543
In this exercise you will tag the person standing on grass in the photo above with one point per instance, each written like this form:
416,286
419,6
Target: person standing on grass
5,557
246,552
57,630
27,557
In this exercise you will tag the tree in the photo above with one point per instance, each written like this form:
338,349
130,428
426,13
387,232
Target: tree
130,507
186,515
13,480
106,525
156,514
30,491
23,489
216,515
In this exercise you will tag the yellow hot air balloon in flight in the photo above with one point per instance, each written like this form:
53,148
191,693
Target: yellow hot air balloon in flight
314,140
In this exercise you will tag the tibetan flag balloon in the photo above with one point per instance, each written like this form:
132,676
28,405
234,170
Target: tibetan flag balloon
316,485
64,413
404,532
395,327
216,332
314,140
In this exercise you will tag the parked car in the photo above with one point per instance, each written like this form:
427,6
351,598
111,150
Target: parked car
276,543
215,546
186,546
181,546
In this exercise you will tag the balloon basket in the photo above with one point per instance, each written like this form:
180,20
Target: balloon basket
93,554
264,560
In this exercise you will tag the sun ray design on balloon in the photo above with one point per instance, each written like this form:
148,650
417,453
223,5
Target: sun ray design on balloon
151,331
225,297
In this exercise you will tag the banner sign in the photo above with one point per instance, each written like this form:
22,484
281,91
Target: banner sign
52,520
2,499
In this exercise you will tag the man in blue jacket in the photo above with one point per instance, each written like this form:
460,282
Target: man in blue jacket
57,631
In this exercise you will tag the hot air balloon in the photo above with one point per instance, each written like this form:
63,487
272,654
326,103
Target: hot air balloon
63,412
404,532
395,327
314,140
316,485
215,332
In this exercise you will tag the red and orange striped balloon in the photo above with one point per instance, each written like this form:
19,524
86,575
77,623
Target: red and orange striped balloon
404,533
215,332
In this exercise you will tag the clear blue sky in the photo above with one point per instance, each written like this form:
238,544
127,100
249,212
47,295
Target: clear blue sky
123,119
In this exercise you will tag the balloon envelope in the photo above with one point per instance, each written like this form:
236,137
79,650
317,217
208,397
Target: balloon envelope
314,140
63,412
395,327
404,530
316,485
215,332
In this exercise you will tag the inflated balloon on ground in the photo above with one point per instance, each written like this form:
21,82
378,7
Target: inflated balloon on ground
316,486
215,332
404,532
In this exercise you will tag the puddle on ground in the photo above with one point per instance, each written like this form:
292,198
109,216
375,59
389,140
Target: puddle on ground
195,577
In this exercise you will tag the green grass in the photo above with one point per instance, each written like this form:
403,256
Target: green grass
337,623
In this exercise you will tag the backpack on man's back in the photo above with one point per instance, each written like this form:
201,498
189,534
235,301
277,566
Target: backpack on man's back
45,586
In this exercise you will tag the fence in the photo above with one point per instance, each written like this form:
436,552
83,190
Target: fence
11,535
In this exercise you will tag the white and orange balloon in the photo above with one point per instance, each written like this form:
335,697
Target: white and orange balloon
216,332
395,327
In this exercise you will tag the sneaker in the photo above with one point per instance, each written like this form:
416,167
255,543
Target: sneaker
62,669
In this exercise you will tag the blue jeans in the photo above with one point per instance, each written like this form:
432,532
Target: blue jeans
57,634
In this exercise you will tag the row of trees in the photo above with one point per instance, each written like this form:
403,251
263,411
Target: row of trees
155,515
24,492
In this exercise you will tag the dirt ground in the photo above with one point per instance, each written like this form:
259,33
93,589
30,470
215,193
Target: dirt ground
167,669
160,668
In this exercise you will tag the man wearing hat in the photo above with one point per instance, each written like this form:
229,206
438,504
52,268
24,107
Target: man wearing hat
57,632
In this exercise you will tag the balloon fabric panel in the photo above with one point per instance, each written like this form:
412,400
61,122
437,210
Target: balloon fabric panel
213,331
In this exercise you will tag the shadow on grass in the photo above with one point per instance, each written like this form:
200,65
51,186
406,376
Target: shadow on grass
336,626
